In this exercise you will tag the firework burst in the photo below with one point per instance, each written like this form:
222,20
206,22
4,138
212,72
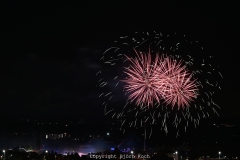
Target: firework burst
163,79
179,87
142,80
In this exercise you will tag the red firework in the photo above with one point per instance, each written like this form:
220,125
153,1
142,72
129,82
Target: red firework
180,89
163,79
143,82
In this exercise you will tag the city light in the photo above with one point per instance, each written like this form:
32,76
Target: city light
219,154
3,154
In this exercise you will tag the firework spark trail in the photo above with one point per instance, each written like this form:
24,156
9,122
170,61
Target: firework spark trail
108,111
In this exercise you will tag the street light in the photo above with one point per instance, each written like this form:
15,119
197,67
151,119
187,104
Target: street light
3,154
219,154
176,155
132,154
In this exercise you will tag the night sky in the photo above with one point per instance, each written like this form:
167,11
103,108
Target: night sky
50,51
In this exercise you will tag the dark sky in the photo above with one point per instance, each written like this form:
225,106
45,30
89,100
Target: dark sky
50,51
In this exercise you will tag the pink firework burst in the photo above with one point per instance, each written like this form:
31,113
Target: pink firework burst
180,89
162,79
142,80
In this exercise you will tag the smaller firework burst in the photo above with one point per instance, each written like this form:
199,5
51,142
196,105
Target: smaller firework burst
179,86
